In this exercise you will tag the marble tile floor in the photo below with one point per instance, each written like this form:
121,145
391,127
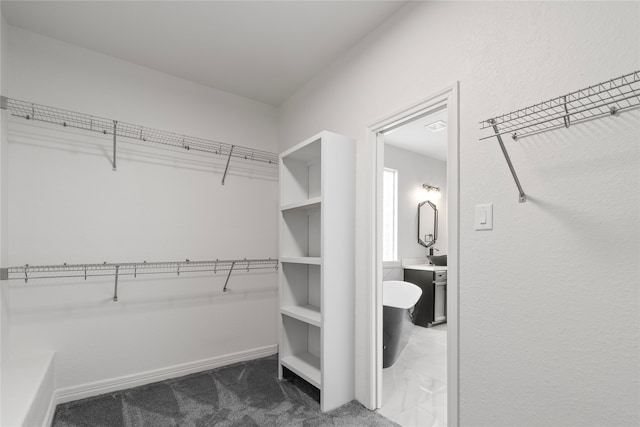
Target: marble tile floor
414,389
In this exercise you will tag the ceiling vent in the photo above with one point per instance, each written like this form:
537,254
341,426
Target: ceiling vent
436,126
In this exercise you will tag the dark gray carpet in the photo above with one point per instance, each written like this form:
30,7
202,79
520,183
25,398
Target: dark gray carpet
243,394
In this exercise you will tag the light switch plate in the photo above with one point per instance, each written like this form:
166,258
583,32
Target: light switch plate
484,217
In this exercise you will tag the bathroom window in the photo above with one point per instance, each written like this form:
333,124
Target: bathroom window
390,215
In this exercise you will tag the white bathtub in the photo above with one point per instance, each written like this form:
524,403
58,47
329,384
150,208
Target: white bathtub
399,294
397,298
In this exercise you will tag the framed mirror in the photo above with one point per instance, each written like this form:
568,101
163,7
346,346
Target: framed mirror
428,223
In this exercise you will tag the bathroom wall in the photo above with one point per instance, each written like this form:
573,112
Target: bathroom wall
549,302
413,171
65,204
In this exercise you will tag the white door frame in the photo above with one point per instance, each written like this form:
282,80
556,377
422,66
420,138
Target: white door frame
448,96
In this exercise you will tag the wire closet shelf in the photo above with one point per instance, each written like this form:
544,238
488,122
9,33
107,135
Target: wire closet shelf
607,98
603,99
28,272
194,145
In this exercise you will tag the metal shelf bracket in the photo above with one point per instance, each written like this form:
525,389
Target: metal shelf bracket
228,276
115,125
227,167
567,117
522,197
115,289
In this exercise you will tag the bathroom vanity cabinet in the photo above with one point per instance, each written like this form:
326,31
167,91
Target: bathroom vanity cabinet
431,309
317,278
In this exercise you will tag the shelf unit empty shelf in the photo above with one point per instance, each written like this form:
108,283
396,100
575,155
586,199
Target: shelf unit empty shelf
313,260
313,203
306,365
305,313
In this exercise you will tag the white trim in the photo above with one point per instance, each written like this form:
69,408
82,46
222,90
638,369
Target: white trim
368,249
453,259
373,294
96,388
378,271
51,410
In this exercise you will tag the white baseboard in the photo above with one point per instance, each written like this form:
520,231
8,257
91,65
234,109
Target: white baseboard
96,388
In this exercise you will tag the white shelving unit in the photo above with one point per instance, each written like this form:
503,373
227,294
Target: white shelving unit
317,253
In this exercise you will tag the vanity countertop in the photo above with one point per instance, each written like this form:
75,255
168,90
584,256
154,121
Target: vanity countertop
426,267
421,264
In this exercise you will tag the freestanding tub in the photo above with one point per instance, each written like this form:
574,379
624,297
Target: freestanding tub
397,298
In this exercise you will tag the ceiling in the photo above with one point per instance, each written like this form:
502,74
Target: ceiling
415,137
262,50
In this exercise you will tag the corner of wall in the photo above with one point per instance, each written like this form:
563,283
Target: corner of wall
4,304
4,41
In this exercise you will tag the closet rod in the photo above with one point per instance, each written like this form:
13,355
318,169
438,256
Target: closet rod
193,145
65,271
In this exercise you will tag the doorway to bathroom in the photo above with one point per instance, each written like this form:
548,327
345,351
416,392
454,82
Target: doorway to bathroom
416,215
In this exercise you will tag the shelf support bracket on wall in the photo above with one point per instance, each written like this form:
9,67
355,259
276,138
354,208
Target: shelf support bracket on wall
522,197
567,117
228,276
227,167
115,125
115,289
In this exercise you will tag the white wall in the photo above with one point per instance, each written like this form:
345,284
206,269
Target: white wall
413,171
549,300
67,205
4,294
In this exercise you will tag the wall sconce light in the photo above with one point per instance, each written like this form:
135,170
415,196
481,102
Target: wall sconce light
429,192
